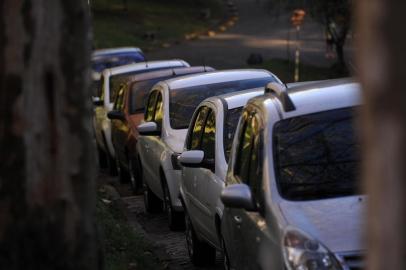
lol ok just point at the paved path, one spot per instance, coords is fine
(258, 30)
(155, 228)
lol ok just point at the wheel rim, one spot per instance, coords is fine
(189, 236)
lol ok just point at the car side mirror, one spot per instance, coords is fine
(149, 129)
(238, 196)
(116, 115)
(97, 101)
(192, 158)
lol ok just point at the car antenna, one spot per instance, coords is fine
(173, 72)
(204, 64)
(146, 62)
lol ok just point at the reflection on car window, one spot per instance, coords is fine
(119, 103)
(230, 125)
(197, 132)
(317, 155)
(183, 101)
(244, 151)
(159, 111)
(149, 114)
(209, 137)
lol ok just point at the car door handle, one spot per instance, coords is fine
(237, 220)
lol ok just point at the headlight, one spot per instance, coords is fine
(302, 252)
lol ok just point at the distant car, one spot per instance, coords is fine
(111, 81)
(170, 107)
(113, 57)
(292, 197)
(127, 114)
(204, 167)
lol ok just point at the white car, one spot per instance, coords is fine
(169, 110)
(111, 80)
(292, 198)
(204, 167)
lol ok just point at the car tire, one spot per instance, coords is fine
(103, 163)
(123, 175)
(200, 253)
(176, 220)
(135, 176)
(151, 202)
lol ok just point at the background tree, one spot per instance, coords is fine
(381, 58)
(47, 173)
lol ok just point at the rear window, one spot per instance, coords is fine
(183, 101)
(317, 155)
(113, 60)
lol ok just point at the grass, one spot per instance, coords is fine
(285, 71)
(124, 247)
(117, 24)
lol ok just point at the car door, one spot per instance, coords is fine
(146, 141)
(120, 128)
(190, 175)
(207, 179)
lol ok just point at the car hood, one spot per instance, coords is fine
(176, 139)
(336, 223)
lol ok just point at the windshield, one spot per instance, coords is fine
(183, 101)
(100, 63)
(230, 125)
(317, 155)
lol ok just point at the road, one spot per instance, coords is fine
(258, 30)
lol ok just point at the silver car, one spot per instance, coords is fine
(204, 167)
(291, 198)
(169, 109)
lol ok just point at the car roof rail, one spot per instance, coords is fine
(281, 93)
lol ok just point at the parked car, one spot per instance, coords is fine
(292, 197)
(204, 167)
(113, 57)
(127, 114)
(112, 79)
(169, 110)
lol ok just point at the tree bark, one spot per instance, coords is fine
(381, 58)
(47, 171)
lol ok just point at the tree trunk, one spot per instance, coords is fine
(381, 58)
(47, 168)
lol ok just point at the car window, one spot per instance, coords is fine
(317, 155)
(244, 150)
(209, 137)
(183, 101)
(149, 114)
(196, 135)
(230, 125)
(158, 115)
(119, 102)
(139, 94)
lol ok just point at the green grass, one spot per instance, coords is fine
(285, 71)
(124, 247)
(113, 25)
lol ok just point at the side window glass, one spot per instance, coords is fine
(209, 137)
(255, 168)
(119, 102)
(196, 135)
(149, 113)
(159, 111)
(244, 151)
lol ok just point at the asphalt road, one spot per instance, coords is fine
(259, 29)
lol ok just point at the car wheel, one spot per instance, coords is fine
(123, 175)
(151, 202)
(103, 163)
(226, 258)
(175, 219)
(135, 176)
(200, 253)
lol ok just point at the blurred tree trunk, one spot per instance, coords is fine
(47, 173)
(382, 58)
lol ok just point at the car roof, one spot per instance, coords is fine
(218, 77)
(238, 99)
(178, 71)
(146, 66)
(107, 51)
(310, 97)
